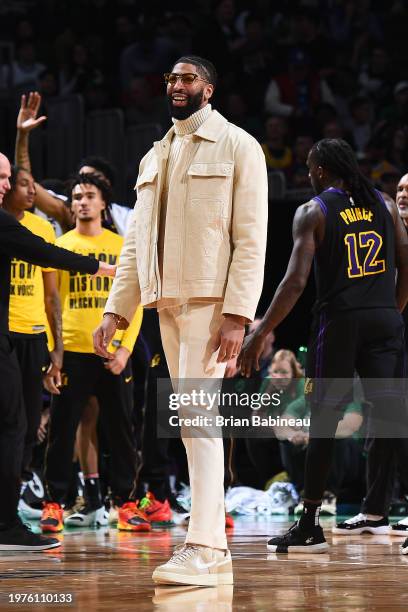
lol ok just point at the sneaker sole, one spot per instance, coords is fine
(11, 547)
(162, 523)
(206, 580)
(312, 549)
(385, 530)
(399, 532)
(76, 524)
(134, 528)
(404, 551)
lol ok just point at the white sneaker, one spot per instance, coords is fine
(28, 512)
(196, 565)
(84, 517)
(361, 524)
(400, 528)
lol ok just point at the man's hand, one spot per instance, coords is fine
(27, 117)
(251, 351)
(119, 361)
(103, 335)
(229, 338)
(105, 269)
(52, 379)
(232, 369)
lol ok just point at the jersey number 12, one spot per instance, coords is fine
(370, 243)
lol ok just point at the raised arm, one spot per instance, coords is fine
(26, 121)
(306, 225)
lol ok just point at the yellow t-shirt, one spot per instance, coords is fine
(27, 309)
(83, 297)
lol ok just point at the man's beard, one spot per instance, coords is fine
(183, 112)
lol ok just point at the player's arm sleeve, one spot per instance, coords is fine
(131, 333)
(49, 237)
(17, 241)
(248, 231)
(124, 296)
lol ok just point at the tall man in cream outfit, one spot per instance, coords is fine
(195, 250)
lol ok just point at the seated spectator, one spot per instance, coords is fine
(253, 60)
(47, 84)
(149, 55)
(360, 122)
(142, 106)
(333, 129)
(76, 75)
(278, 154)
(397, 112)
(374, 77)
(286, 376)
(236, 111)
(397, 150)
(299, 172)
(388, 183)
(23, 72)
(297, 92)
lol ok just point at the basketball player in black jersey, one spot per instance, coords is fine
(357, 242)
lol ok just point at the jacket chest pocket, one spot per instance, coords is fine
(210, 180)
(145, 187)
(146, 191)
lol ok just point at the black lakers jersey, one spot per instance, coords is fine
(355, 263)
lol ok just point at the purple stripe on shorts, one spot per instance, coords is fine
(321, 204)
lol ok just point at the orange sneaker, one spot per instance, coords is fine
(229, 521)
(155, 510)
(52, 517)
(130, 518)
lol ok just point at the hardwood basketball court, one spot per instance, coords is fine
(109, 570)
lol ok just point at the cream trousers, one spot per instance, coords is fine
(188, 333)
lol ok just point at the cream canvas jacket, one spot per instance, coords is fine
(215, 245)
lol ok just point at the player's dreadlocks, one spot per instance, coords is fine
(338, 158)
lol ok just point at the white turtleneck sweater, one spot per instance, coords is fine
(181, 153)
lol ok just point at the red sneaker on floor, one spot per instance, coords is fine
(130, 518)
(229, 521)
(156, 511)
(52, 518)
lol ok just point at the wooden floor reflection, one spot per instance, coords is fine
(108, 570)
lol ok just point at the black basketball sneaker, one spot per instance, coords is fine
(404, 548)
(299, 541)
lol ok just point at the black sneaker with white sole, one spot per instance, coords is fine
(400, 528)
(361, 524)
(298, 541)
(404, 548)
(20, 537)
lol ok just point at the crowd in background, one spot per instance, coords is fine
(289, 73)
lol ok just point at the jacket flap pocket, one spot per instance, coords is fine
(148, 176)
(211, 169)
